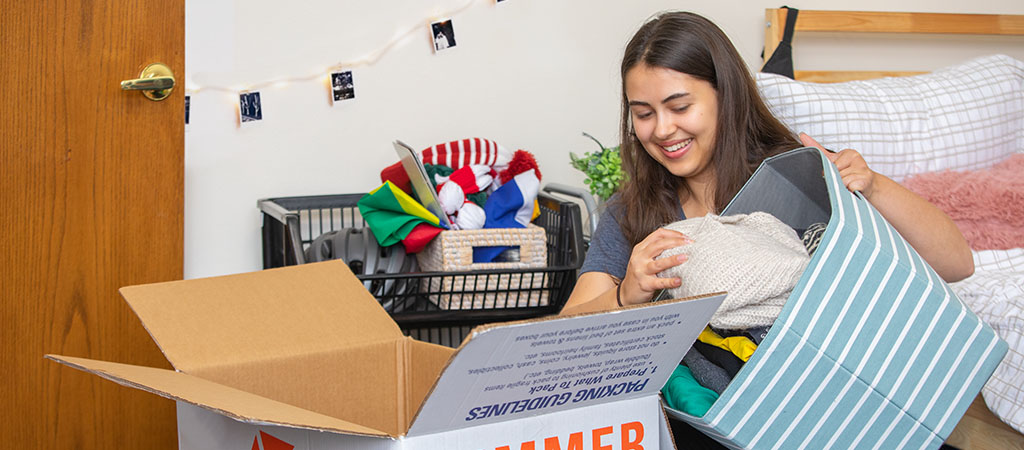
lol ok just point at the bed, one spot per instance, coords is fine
(912, 125)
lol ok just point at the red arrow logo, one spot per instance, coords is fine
(269, 443)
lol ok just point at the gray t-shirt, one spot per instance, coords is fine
(609, 251)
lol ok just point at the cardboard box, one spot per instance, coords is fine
(303, 357)
(872, 349)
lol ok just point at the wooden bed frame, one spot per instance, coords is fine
(881, 22)
(979, 428)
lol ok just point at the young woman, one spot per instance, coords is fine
(693, 130)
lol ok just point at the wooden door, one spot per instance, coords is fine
(91, 200)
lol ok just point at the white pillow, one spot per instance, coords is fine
(968, 116)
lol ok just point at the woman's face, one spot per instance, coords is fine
(674, 116)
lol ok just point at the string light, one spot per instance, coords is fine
(369, 59)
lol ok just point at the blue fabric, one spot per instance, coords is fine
(503, 205)
(609, 251)
(500, 212)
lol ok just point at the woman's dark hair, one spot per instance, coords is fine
(746, 133)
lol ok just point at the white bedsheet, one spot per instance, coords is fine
(996, 294)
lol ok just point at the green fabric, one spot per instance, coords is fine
(479, 198)
(384, 213)
(682, 392)
(437, 169)
(440, 169)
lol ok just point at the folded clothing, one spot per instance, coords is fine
(684, 393)
(715, 360)
(755, 257)
(812, 236)
(721, 358)
(741, 346)
(706, 372)
(756, 334)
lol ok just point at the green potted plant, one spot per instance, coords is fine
(603, 169)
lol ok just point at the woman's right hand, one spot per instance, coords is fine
(641, 280)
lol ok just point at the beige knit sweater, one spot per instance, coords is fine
(756, 258)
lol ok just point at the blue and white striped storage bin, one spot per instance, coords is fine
(872, 350)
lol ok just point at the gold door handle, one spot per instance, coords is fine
(156, 82)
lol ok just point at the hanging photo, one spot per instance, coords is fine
(342, 86)
(249, 107)
(443, 34)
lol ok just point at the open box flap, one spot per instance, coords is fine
(521, 369)
(425, 363)
(268, 314)
(230, 402)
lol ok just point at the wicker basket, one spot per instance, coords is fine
(452, 251)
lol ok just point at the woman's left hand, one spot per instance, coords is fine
(852, 167)
(930, 231)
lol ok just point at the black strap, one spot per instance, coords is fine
(787, 33)
(781, 61)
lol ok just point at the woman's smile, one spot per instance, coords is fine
(677, 149)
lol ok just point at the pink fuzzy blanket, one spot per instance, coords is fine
(987, 205)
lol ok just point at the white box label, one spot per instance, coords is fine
(536, 368)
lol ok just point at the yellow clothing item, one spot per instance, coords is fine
(741, 346)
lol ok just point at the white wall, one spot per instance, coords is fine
(530, 74)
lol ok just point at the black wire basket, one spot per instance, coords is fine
(290, 224)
